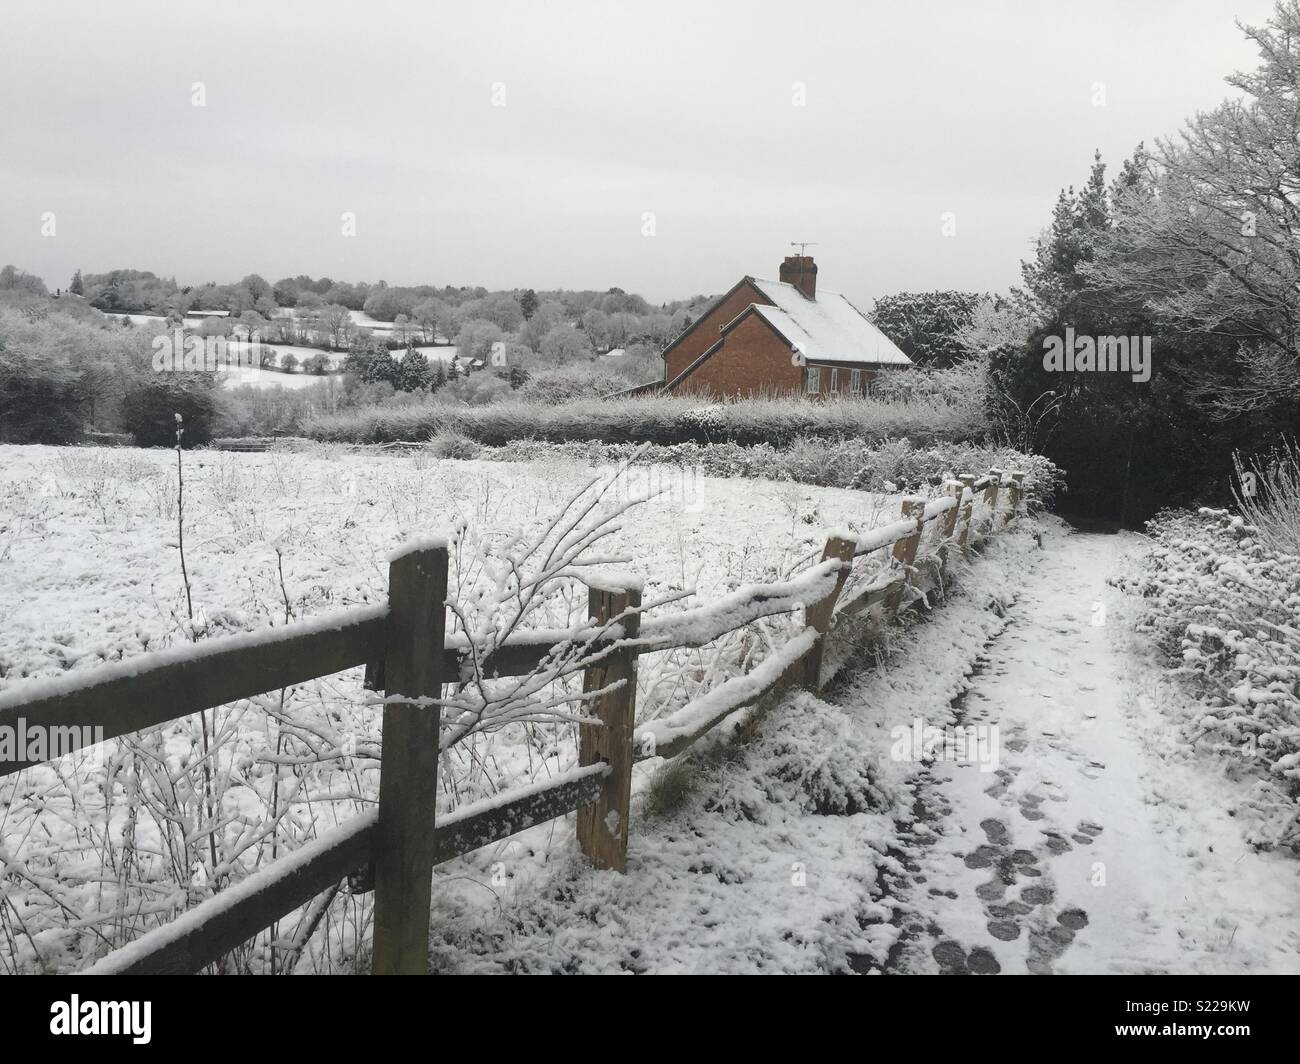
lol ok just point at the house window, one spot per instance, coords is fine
(835, 380)
(855, 382)
(814, 382)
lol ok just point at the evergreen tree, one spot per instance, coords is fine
(415, 373)
(439, 376)
(382, 367)
(925, 325)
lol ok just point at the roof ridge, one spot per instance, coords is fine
(820, 291)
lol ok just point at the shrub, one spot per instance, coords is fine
(448, 443)
(62, 365)
(1221, 608)
(40, 399)
(565, 383)
(149, 410)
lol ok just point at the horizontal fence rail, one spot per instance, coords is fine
(153, 689)
(408, 655)
(205, 933)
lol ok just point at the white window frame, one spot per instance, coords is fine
(855, 382)
(812, 384)
(835, 379)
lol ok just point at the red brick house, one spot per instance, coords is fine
(779, 338)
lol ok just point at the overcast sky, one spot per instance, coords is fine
(686, 111)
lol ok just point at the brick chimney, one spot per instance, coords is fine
(800, 271)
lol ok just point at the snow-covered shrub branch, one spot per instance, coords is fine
(1272, 502)
(1224, 610)
(505, 584)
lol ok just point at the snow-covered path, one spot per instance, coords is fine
(1091, 843)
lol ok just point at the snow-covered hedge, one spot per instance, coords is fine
(658, 420)
(1224, 611)
(808, 460)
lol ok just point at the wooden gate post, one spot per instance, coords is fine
(967, 511)
(602, 825)
(905, 550)
(408, 780)
(820, 614)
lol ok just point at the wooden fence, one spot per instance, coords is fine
(397, 845)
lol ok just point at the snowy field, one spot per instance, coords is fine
(268, 378)
(90, 565)
(236, 377)
(88, 545)
(262, 378)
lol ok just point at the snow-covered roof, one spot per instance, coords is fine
(826, 329)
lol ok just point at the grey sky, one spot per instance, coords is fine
(612, 109)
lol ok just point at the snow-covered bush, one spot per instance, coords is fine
(660, 420)
(818, 762)
(844, 463)
(1224, 610)
(708, 419)
(448, 443)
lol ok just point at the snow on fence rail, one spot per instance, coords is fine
(408, 654)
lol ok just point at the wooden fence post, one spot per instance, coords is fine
(1017, 493)
(602, 825)
(905, 550)
(954, 488)
(951, 488)
(991, 497)
(968, 511)
(408, 781)
(820, 614)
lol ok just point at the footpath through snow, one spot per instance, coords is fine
(1082, 837)
(1088, 849)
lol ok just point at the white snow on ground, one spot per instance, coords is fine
(1091, 844)
(1088, 850)
(237, 377)
(90, 565)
